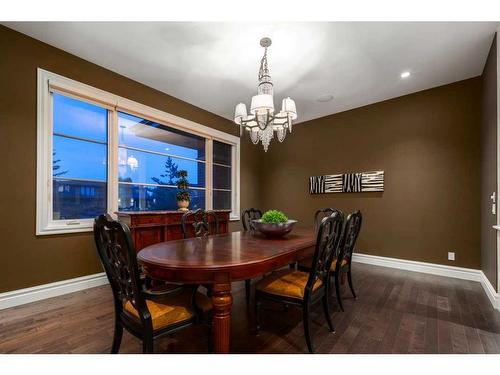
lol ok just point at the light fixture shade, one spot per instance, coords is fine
(288, 107)
(261, 104)
(240, 113)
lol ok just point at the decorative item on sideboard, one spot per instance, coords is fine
(183, 195)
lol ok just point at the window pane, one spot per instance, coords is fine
(73, 158)
(222, 177)
(146, 168)
(151, 198)
(222, 200)
(148, 135)
(222, 153)
(78, 199)
(79, 119)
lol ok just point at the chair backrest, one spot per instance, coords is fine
(327, 241)
(322, 213)
(350, 236)
(200, 222)
(248, 215)
(118, 257)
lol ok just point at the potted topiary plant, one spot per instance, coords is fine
(183, 195)
(274, 223)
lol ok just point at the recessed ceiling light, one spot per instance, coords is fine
(325, 98)
(405, 74)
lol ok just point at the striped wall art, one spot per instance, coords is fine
(347, 183)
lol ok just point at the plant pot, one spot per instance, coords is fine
(183, 205)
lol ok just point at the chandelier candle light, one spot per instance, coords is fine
(262, 122)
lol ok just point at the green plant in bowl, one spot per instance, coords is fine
(274, 217)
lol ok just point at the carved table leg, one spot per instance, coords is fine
(222, 301)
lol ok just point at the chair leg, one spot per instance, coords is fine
(210, 339)
(117, 338)
(247, 290)
(326, 310)
(147, 344)
(349, 280)
(337, 290)
(257, 315)
(307, 332)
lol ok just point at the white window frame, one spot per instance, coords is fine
(50, 82)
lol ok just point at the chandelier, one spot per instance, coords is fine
(262, 122)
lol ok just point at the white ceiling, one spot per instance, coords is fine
(214, 65)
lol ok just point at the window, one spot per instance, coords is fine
(222, 175)
(98, 152)
(149, 157)
(79, 159)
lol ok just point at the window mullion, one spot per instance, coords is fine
(209, 173)
(112, 162)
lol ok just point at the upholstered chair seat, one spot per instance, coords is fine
(306, 264)
(171, 310)
(287, 283)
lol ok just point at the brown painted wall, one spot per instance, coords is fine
(428, 144)
(28, 260)
(489, 164)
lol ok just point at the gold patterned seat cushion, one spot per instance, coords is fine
(288, 283)
(306, 263)
(171, 310)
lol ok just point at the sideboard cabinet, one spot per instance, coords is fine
(150, 227)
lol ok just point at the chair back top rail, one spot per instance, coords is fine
(325, 212)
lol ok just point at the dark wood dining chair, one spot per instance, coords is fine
(145, 313)
(246, 220)
(248, 215)
(324, 212)
(342, 260)
(303, 289)
(203, 222)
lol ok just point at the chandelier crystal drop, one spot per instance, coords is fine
(262, 122)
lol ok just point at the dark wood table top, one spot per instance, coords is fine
(240, 254)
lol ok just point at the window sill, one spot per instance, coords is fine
(64, 230)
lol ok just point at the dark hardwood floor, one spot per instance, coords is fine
(397, 312)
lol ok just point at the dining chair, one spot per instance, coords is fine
(342, 259)
(145, 313)
(324, 212)
(200, 221)
(248, 215)
(246, 220)
(343, 262)
(304, 289)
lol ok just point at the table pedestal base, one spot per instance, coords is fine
(222, 301)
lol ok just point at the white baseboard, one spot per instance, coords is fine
(490, 291)
(39, 292)
(434, 269)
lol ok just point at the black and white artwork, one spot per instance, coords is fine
(347, 183)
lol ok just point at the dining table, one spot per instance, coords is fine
(218, 260)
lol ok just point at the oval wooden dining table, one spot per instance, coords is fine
(219, 260)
